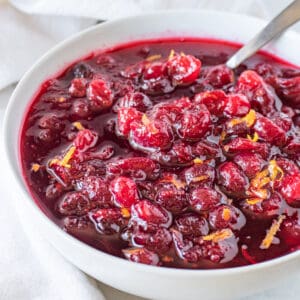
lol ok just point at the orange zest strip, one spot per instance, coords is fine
(167, 258)
(178, 183)
(125, 213)
(146, 121)
(35, 167)
(61, 99)
(197, 161)
(249, 119)
(78, 126)
(153, 57)
(253, 201)
(226, 214)
(199, 178)
(267, 241)
(254, 138)
(219, 235)
(275, 170)
(65, 161)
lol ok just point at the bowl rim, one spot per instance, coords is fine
(19, 180)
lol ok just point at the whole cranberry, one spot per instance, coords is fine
(78, 87)
(147, 215)
(290, 229)
(108, 220)
(218, 76)
(236, 105)
(74, 203)
(290, 189)
(126, 116)
(85, 140)
(207, 149)
(171, 198)
(226, 216)
(232, 179)
(139, 168)
(263, 208)
(100, 95)
(137, 100)
(250, 163)
(158, 241)
(124, 191)
(191, 224)
(141, 255)
(183, 69)
(293, 147)
(200, 174)
(204, 199)
(194, 124)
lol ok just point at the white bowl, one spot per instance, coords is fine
(143, 280)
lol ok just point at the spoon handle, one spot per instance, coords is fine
(285, 19)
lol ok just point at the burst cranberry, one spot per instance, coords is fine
(293, 147)
(288, 166)
(282, 120)
(124, 191)
(158, 241)
(141, 255)
(137, 100)
(290, 189)
(152, 135)
(207, 149)
(108, 220)
(218, 76)
(236, 105)
(194, 124)
(183, 69)
(250, 163)
(269, 131)
(200, 174)
(146, 213)
(78, 87)
(99, 95)
(96, 190)
(290, 229)
(192, 224)
(52, 122)
(263, 208)
(213, 100)
(226, 216)
(74, 203)
(232, 179)
(126, 116)
(203, 199)
(171, 198)
(140, 168)
(256, 90)
(85, 140)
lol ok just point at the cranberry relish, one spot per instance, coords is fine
(158, 153)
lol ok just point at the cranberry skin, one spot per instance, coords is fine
(183, 69)
(74, 203)
(218, 76)
(200, 174)
(78, 87)
(125, 191)
(204, 198)
(236, 105)
(155, 136)
(269, 131)
(293, 147)
(282, 120)
(108, 220)
(290, 230)
(141, 255)
(226, 216)
(52, 122)
(192, 224)
(158, 241)
(180, 154)
(264, 209)
(232, 179)
(80, 108)
(126, 116)
(256, 90)
(243, 145)
(85, 140)
(136, 100)
(222, 251)
(290, 189)
(287, 166)
(99, 95)
(139, 168)
(207, 149)
(250, 163)
(171, 198)
(148, 215)
(194, 125)
(213, 100)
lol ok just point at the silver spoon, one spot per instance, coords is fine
(285, 19)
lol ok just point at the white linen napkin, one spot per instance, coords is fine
(30, 269)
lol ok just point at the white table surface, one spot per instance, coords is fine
(288, 290)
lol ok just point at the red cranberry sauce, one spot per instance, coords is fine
(158, 153)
